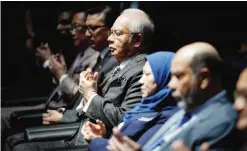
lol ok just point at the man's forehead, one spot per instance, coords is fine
(77, 20)
(242, 82)
(94, 18)
(64, 16)
(242, 85)
(121, 23)
(179, 65)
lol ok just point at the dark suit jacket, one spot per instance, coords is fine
(213, 124)
(139, 129)
(86, 60)
(65, 93)
(118, 94)
(103, 67)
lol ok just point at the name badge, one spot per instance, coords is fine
(145, 119)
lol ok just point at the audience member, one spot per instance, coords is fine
(101, 46)
(241, 106)
(67, 79)
(120, 90)
(196, 84)
(64, 40)
(156, 106)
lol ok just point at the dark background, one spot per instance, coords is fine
(177, 23)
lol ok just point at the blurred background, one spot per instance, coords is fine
(177, 23)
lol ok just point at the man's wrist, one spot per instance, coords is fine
(59, 74)
(90, 96)
(88, 102)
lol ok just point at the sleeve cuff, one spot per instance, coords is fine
(61, 110)
(89, 102)
(46, 64)
(62, 77)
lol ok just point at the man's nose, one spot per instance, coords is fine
(60, 27)
(88, 34)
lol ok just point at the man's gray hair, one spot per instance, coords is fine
(143, 24)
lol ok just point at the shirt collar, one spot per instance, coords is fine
(104, 52)
(125, 62)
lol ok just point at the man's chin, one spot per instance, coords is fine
(76, 43)
(93, 46)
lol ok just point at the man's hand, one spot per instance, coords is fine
(180, 146)
(91, 131)
(87, 85)
(43, 52)
(52, 117)
(57, 65)
(122, 143)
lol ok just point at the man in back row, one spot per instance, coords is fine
(99, 21)
(86, 58)
(69, 80)
(120, 90)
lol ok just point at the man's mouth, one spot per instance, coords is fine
(112, 49)
(91, 42)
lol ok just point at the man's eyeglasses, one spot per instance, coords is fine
(93, 28)
(78, 28)
(118, 33)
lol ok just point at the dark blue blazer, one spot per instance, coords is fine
(140, 129)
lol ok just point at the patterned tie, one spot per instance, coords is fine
(116, 70)
(186, 118)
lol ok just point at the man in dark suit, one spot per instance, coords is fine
(240, 105)
(98, 41)
(120, 89)
(68, 79)
(196, 83)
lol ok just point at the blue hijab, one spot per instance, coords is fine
(160, 63)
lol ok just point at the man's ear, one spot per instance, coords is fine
(137, 39)
(205, 78)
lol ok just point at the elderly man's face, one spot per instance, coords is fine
(241, 101)
(96, 32)
(120, 38)
(183, 82)
(78, 30)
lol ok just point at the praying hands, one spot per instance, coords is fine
(88, 84)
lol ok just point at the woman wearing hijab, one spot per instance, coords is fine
(155, 108)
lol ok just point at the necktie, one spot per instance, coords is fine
(186, 118)
(98, 64)
(115, 71)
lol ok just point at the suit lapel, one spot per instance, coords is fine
(200, 117)
(107, 64)
(168, 124)
(120, 75)
(75, 63)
